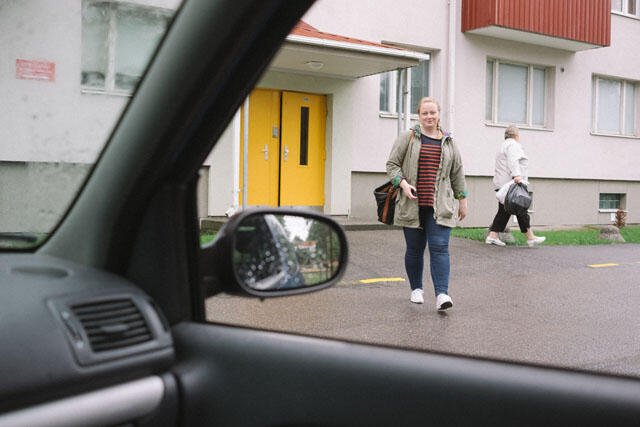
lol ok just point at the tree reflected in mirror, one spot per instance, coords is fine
(274, 252)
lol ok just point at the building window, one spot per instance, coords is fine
(614, 106)
(118, 40)
(418, 88)
(610, 201)
(515, 93)
(627, 7)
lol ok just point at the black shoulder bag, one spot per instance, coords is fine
(385, 196)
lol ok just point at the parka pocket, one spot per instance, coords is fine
(446, 207)
(406, 209)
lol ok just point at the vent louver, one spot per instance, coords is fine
(112, 324)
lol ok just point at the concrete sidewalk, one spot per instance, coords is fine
(213, 224)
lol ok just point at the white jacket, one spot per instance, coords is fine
(510, 161)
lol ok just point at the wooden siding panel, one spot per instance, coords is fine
(586, 21)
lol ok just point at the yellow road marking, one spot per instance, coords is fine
(383, 279)
(603, 265)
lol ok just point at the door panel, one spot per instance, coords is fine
(264, 142)
(233, 376)
(302, 149)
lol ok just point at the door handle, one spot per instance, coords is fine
(286, 152)
(266, 152)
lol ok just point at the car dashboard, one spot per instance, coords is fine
(78, 342)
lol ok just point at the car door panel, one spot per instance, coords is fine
(234, 376)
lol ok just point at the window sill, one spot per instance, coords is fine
(614, 135)
(386, 115)
(91, 91)
(626, 15)
(527, 127)
(610, 210)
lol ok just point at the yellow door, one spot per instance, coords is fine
(264, 144)
(302, 151)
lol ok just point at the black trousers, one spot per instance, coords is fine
(502, 217)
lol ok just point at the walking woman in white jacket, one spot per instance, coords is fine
(511, 164)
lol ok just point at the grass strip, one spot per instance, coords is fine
(583, 236)
(206, 238)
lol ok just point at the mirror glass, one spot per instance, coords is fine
(274, 252)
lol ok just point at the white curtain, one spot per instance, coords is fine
(512, 97)
(609, 105)
(629, 108)
(488, 95)
(95, 27)
(538, 96)
(138, 34)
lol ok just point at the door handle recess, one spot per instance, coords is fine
(286, 152)
(266, 152)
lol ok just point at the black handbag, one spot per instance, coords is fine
(517, 200)
(386, 200)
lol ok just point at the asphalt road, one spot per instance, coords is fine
(545, 305)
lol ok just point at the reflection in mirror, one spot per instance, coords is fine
(274, 252)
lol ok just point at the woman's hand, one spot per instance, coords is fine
(517, 179)
(408, 189)
(462, 209)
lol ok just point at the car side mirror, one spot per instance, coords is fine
(274, 252)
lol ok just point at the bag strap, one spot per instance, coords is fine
(413, 133)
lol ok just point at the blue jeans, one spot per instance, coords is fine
(437, 236)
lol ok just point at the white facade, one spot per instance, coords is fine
(52, 128)
(42, 133)
(570, 165)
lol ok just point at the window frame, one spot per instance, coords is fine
(112, 8)
(624, 9)
(621, 202)
(623, 105)
(391, 97)
(493, 121)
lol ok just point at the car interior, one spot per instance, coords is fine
(104, 324)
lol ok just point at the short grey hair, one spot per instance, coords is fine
(511, 131)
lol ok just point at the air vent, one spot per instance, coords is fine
(112, 324)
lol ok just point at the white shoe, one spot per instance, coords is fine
(443, 301)
(492, 241)
(536, 241)
(417, 296)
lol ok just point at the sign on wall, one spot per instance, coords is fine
(35, 70)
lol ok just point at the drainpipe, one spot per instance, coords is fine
(405, 91)
(451, 81)
(399, 99)
(245, 152)
(236, 164)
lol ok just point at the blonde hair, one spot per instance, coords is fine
(511, 131)
(425, 100)
(428, 99)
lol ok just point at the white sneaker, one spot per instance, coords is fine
(492, 241)
(536, 241)
(443, 301)
(417, 296)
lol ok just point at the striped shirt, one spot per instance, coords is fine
(428, 165)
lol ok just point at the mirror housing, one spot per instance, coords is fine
(274, 252)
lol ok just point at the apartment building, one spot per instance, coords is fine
(565, 71)
(324, 116)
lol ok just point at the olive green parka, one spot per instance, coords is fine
(450, 181)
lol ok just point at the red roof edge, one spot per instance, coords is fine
(306, 30)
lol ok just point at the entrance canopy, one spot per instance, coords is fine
(309, 51)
